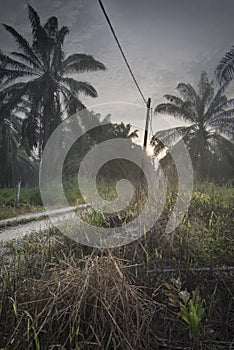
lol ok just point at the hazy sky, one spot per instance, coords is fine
(166, 42)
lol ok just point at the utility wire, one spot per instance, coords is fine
(121, 50)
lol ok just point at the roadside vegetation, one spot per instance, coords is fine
(30, 201)
(161, 291)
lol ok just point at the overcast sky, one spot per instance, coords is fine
(166, 42)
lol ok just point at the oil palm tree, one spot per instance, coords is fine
(211, 124)
(40, 72)
(225, 69)
(94, 129)
(124, 131)
(14, 160)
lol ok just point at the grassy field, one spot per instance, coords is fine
(163, 291)
(30, 201)
(30, 198)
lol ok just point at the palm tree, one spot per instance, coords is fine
(210, 115)
(225, 69)
(95, 130)
(14, 160)
(124, 131)
(47, 70)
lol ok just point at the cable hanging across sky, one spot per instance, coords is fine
(122, 52)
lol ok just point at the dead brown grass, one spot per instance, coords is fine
(84, 304)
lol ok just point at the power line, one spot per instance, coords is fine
(121, 50)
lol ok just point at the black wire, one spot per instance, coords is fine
(121, 50)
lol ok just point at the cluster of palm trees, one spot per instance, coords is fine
(96, 130)
(37, 91)
(209, 133)
(36, 81)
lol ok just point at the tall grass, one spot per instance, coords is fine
(159, 292)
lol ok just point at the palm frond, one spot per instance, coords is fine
(169, 108)
(7, 61)
(205, 90)
(80, 63)
(27, 59)
(227, 103)
(215, 105)
(225, 69)
(23, 44)
(175, 100)
(62, 34)
(203, 83)
(7, 75)
(41, 41)
(183, 112)
(34, 20)
(11, 90)
(80, 86)
(170, 136)
(71, 102)
(14, 95)
(224, 122)
(187, 92)
(223, 115)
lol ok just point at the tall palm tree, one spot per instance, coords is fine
(14, 160)
(225, 69)
(210, 115)
(48, 86)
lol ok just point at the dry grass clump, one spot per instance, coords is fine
(84, 304)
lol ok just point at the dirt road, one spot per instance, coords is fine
(16, 228)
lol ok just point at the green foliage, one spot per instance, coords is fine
(225, 69)
(47, 83)
(30, 196)
(190, 304)
(210, 115)
(192, 310)
(207, 230)
(56, 292)
(30, 199)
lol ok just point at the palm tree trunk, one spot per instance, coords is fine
(3, 156)
(51, 115)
